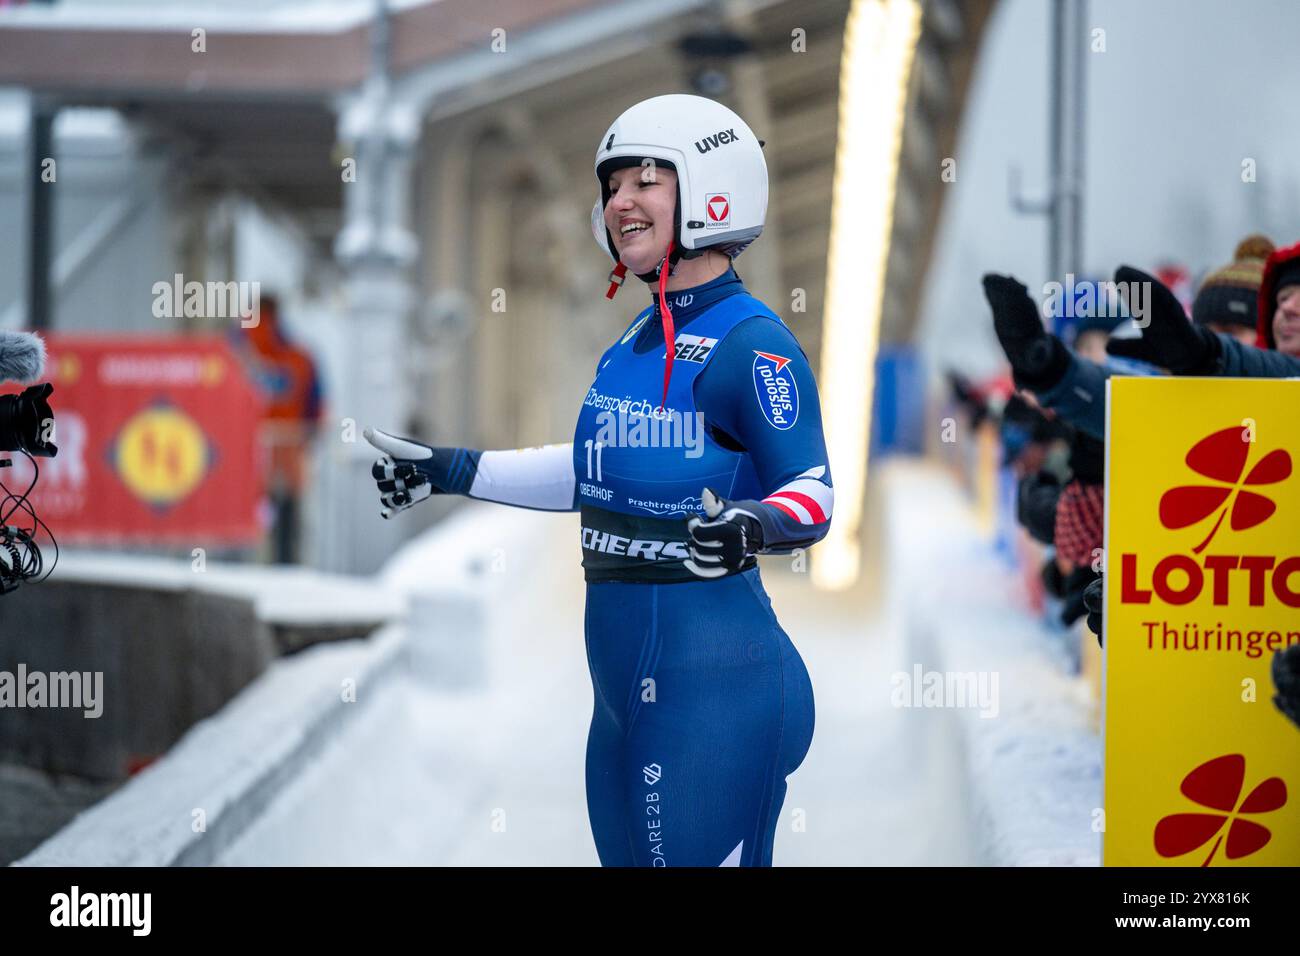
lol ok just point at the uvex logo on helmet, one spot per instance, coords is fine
(721, 138)
(1221, 458)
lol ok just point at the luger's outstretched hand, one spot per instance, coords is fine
(398, 473)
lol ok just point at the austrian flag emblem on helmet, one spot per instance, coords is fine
(718, 208)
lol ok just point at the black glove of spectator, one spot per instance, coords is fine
(1075, 585)
(1036, 505)
(1169, 339)
(1053, 580)
(1087, 458)
(1038, 360)
(1286, 675)
(1092, 601)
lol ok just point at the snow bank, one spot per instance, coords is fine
(281, 595)
(195, 801)
(440, 593)
(1033, 762)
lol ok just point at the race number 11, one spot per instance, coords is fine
(598, 446)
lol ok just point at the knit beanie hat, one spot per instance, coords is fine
(1228, 296)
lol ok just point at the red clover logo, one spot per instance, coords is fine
(1217, 784)
(1221, 457)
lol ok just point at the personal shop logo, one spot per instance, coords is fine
(1216, 785)
(1221, 459)
(778, 395)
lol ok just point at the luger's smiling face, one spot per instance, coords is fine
(639, 214)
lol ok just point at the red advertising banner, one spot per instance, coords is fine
(157, 440)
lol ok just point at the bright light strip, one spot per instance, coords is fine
(880, 38)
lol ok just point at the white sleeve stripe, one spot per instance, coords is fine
(819, 492)
(539, 477)
(802, 513)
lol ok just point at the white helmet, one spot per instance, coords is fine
(721, 173)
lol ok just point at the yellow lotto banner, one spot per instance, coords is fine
(1202, 587)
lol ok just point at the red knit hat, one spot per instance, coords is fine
(1281, 261)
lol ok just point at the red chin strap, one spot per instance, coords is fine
(616, 278)
(670, 334)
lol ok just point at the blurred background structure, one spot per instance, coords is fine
(411, 182)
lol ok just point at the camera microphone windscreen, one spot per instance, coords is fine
(22, 356)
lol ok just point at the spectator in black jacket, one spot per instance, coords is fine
(1075, 388)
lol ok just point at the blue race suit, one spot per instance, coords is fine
(702, 705)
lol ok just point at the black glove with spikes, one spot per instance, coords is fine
(724, 540)
(402, 474)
